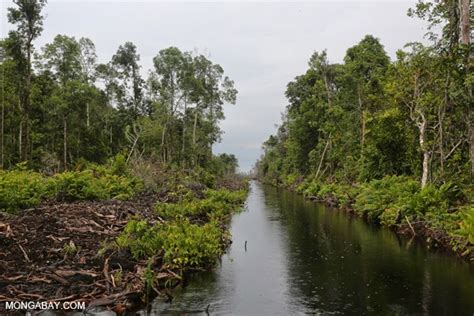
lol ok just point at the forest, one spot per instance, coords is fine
(111, 194)
(61, 107)
(109, 190)
(392, 140)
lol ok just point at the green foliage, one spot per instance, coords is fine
(71, 248)
(185, 245)
(303, 186)
(118, 165)
(226, 196)
(22, 189)
(466, 226)
(191, 245)
(86, 185)
(391, 199)
(343, 194)
(216, 204)
(141, 238)
(62, 107)
(205, 177)
(291, 180)
(383, 199)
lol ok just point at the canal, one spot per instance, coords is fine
(291, 256)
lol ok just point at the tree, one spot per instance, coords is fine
(29, 21)
(365, 65)
(167, 85)
(454, 19)
(211, 89)
(125, 64)
(87, 59)
(186, 88)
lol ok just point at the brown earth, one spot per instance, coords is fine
(53, 252)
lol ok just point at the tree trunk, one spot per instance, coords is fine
(441, 114)
(465, 22)
(194, 136)
(64, 142)
(362, 118)
(26, 104)
(328, 92)
(426, 155)
(163, 151)
(183, 144)
(465, 38)
(25, 138)
(87, 114)
(20, 138)
(322, 156)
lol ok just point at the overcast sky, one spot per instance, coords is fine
(261, 45)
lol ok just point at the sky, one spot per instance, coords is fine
(261, 45)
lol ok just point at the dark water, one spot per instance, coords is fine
(303, 258)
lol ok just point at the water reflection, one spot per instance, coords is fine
(304, 258)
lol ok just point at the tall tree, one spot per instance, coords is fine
(126, 67)
(29, 21)
(365, 64)
(88, 60)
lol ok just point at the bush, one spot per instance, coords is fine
(342, 193)
(291, 180)
(226, 196)
(384, 199)
(466, 227)
(22, 189)
(303, 186)
(312, 189)
(390, 199)
(217, 203)
(118, 165)
(184, 245)
(141, 239)
(87, 185)
(205, 177)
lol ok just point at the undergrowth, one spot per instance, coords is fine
(21, 188)
(396, 200)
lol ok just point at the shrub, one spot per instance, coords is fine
(466, 227)
(206, 178)
(390, 199)
(290, 180)
(118, 165)
(217, 203)
(312, 189)
(141, 239)
(22, 189)
(226, 196)
(184, 245)
(301, 188)
(85, 185)
(389, 195)
(343, 193)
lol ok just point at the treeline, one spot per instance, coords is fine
(371, 116)
(59, 106)
(390, 141)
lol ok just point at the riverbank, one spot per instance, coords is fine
(305, 258)
(115, 253)
(441, 217)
